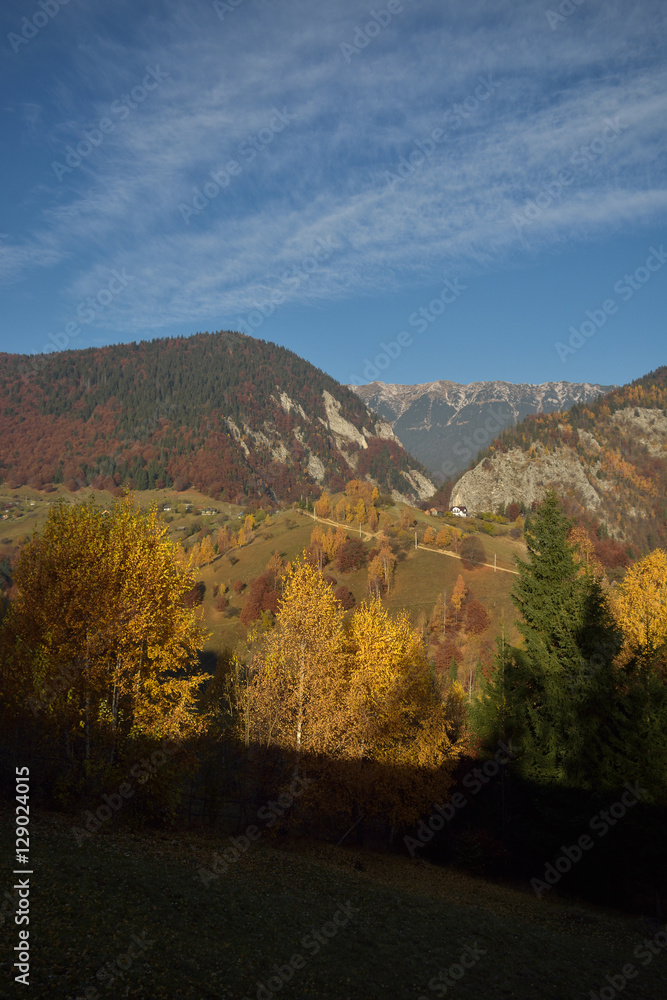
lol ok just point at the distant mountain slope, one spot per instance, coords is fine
(445, 424)
(607, 458)
(233, 416)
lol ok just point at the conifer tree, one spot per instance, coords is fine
(560, 695)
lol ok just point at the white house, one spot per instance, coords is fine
(459, 510)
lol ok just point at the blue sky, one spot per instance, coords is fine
(273, 167)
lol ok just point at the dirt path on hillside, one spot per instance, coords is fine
(367, 535)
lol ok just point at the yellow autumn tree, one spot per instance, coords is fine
(375, 576)
(101, 604)
(205, 551)
(397, 716)
(429, 536)
(318, 545)
(444, 538)
(356, 710)
(373, 519)
(334, 542)
(294, 697)
(459, 593)
(585, 555)
(323, 505)
(341, 509)
(641, 603)
(224, 540)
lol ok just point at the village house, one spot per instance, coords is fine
(459, 510)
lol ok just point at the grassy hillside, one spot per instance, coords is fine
(407, 923)
(421, 574)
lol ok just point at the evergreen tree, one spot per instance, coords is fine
(561, 696)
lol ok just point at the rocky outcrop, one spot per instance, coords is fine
(515, 476)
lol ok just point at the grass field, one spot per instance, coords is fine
(127, 915)
(420, 577)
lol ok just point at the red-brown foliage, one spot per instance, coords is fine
(345, 596)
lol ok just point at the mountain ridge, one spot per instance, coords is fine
(606, 458)
(229, 414)
(445, 423)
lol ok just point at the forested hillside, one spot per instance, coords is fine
(233, 416)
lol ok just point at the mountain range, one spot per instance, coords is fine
(445, 424)
(606, 458)
(235, 417)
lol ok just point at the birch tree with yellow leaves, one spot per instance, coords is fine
(294, 694)
(101, 604)
(641, 604)
(356, 708)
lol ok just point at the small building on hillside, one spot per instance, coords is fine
(432, 512)
(459, 510)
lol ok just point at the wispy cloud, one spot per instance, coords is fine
(325, 175)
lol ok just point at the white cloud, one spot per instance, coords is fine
(324, 175)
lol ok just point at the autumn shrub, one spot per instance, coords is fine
(476, 617)
(345, 596)
(262, 596)
(195, 596)
(351, 556)
(472, 552)
(513, 511)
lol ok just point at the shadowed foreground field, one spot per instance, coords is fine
(127, 915)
